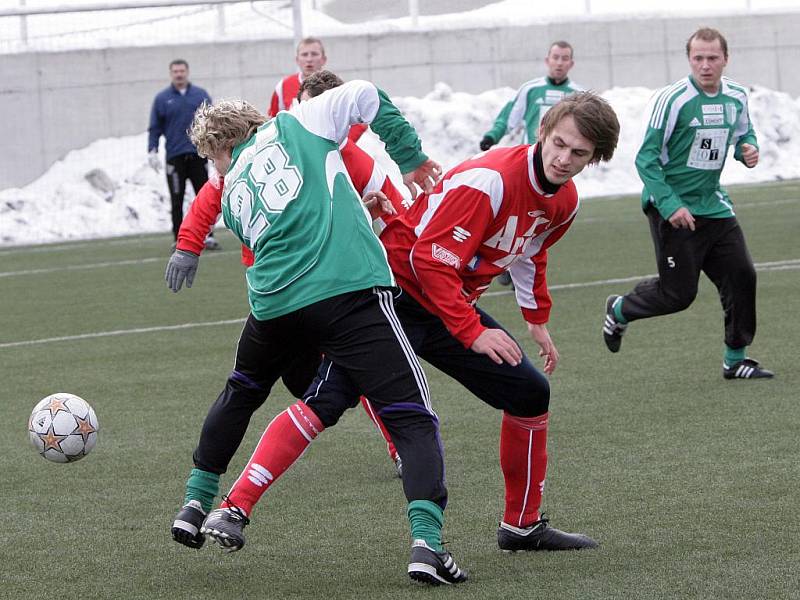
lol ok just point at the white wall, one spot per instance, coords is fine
(55, 102)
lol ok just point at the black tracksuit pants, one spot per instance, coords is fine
(361, 333)
(179, 169)
(717, 248)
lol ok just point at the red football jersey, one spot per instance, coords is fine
(486, 215)
(285, 93)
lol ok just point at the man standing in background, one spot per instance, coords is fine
(692, 124)
(171, 115)
(310, 58)
(533, 99)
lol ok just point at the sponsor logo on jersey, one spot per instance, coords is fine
(460, 234)
(694, 123)
(444, 255)
(713, 120)
(553, 96)
(712, 109)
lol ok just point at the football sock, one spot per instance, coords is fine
(734, 355)
(285, 439)
(617, 307)
(426, 519)
(523, 460)
(202, 486)
(381, 427)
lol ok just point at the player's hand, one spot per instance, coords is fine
(378, 204)
(682, 219)
(749, 155)
(152, 160)
(182, 266)
(486, 143)
(499, 346)
(547, 348)
(425, 176)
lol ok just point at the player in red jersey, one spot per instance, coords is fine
(500, 210)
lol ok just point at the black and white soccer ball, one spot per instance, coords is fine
(63, 428)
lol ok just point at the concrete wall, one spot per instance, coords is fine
(55, 102)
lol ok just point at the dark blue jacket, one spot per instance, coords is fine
(171, 116)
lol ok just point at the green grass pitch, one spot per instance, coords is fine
(689, 482)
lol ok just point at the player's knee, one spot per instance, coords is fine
(532, 398)
(681, 299)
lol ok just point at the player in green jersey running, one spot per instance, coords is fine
(534, 98)
(320, 278)
(692, 125)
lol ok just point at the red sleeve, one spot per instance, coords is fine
(273, 105)
(541, 295)
(436, 259)
(248, 258)
(356, 131)
(200, 218)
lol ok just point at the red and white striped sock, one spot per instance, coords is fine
(523, 460)
(282, 443)
(381, 427)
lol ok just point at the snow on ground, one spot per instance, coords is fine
(63, 204)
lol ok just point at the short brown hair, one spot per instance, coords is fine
(319, 82)
(310, 40)
(707, 34)
(224, 125)
(562, 44)
(594, 118)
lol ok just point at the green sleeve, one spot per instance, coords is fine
(402, 142)
(652, 174)
(500, 126)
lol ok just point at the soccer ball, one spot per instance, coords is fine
(63, 428)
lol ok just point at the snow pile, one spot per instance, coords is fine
(63, 203)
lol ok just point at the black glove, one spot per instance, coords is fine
(182, 265)
(486, 143)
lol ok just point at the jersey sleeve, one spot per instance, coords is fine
(529, 275)
(649, 167)
(500, 126)
(743, 133)
(156, 127)
(436, 257)
(201, 216)
(274, 109)
(331, 114)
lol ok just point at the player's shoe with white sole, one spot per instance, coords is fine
(613, 330)
(187, 523)
(746, 369)
(225, 526)
(435, 568)
(540, 536)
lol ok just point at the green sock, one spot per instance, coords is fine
(734, 355)
(426, 519)
(203, 487)
(618, 311)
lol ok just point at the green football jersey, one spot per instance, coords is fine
(531, 103)
(289, 198)
(686, 143)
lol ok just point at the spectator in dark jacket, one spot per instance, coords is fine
(171, 115)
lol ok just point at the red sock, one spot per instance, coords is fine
(282, 443)
(523, 459)
(379, 424)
